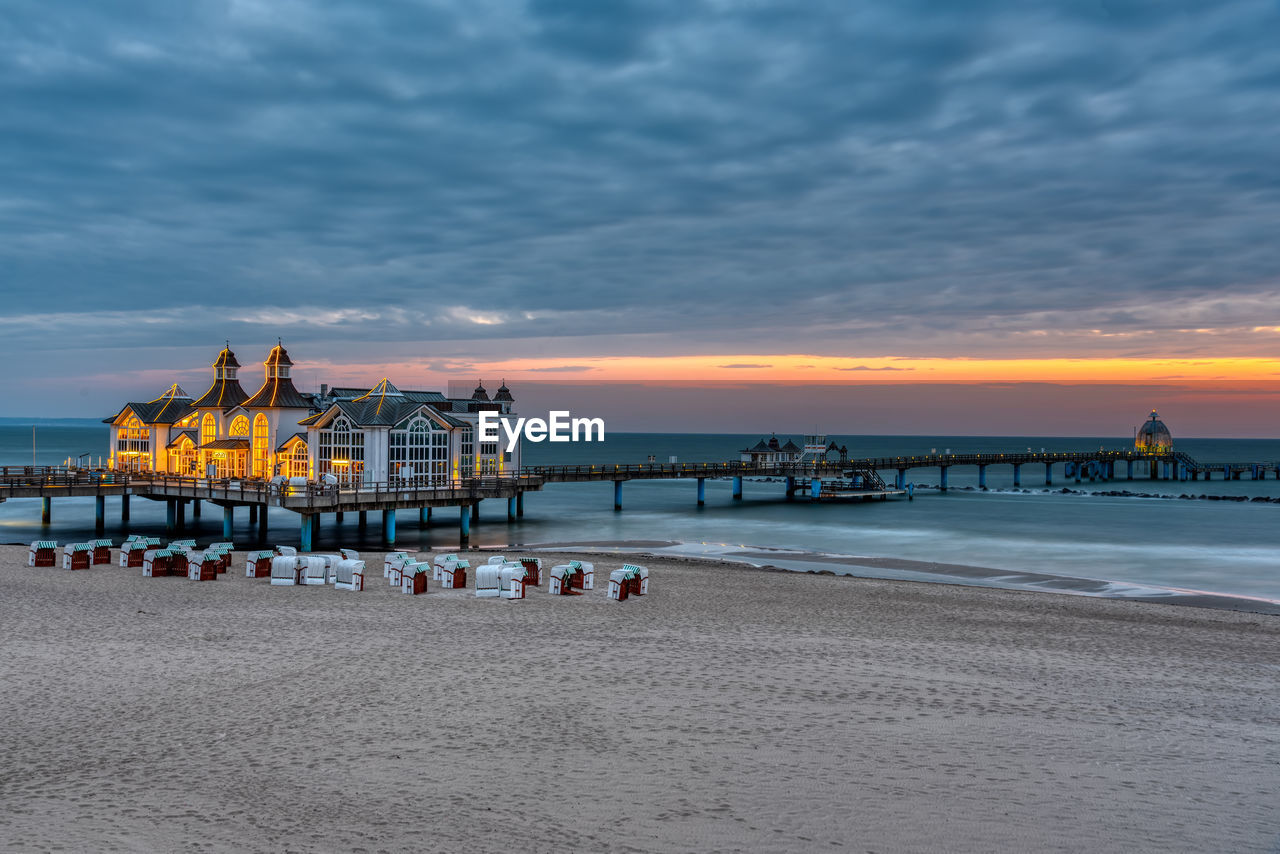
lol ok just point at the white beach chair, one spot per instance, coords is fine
(512, 578)
(619, 586)
(638, 576)
(315, 571)
(587, 571)
(439, 563)
(393, 560)
(349, 554)
(284, 571)
(101, 551)
(330, 565)
(488, 580)
(349, 575)
(533, 565)
(77, 556)
(286, 551)
(223, 547)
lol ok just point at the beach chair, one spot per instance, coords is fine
(513, 577)
(533, 566)
(439, 563)
(284, 571)
(43, 553)
(562, 580)
(77, 555)
(286, 551)
(393, 560)
(584, 578)
(155, 562)
(258, 564)
(619, 586)
(185, 545)
(179, 561)
(131, 552)
(330, 566)
(101, 552)
(204, 566)
(315, 571)
(349, 575)
(222, 547)
(453, 575)
(349, 554)
(637, 578)
(488, 580)
(413, 577)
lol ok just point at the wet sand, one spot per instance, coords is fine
(732, 709)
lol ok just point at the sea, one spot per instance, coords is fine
(1159, 539)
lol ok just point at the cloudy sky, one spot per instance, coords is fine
(898, 194)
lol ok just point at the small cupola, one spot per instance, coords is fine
(480, 393)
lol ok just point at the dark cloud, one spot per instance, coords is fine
(737, 365)
(574, 178)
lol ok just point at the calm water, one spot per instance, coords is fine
(1201, 545)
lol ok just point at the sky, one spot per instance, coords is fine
(972, 214)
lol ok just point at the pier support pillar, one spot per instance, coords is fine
(617, 495)
(337, 517)
(99, 512)
(1079, 470)
(944, 470)
(363, 518)
(475, 511)
(464, 523)
(424, 516)
(1130, 462)
(182, 515)
(304, 532)
(124, 507)
(737, 488)
(1017, 474)
(520, 504)
(228, 519)
(1048, 474)
(389, 527)
(815, 488)
(253, 513)
(791, 488)
(511, 509)
(195, 509)
(46, 510)
(262, 524)
(315, 525)
(170, 516)
(702, 490)
(982, 477)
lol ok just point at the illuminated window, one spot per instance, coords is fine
(420, 452)
(133, 445)
(208, 429)
(239, 427)
(260, 445)
(298, 460)
(341, 452)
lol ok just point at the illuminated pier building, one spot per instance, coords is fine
(357, 435)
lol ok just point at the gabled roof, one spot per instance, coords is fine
(223, 394)
(185, 434)
(791, 447)
(226, 445)
(296, 437)
(169, 408)
(379, 411)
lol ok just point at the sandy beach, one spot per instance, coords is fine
(731, 709)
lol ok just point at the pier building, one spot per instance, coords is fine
(352, 435)
(1153, 437)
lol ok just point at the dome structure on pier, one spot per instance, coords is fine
(1153, 437)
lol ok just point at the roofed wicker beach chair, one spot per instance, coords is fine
(77, 556)
(619, 589)
(189, 545)
(349, 575)
(288, 551)
(349, 554)
(585, 577)
(627, 580)
(258, 564)
(101, 551)
(513, 577)
(533, 566)
(561, 583)
(393, 560)
(204, 566)
(43, 553)
(156, 562)
(223, 547)
(488, 580)
(179, 561)
(314, 571)
(413, 577)
(638, 578)
(438, 563)
(330, 566)
(284, 571)
(453, 574)
(132, 551)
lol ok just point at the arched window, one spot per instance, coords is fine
(208, 429)
(239, 427)
(420, 452)
(260, 445)
(299, 461)
(341, 452)
(133, 445)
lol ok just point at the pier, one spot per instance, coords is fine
(847, 480)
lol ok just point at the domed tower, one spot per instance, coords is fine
(1153, 437)
(480, 393)
(503, 396)
(277, 389)
(225, 391)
